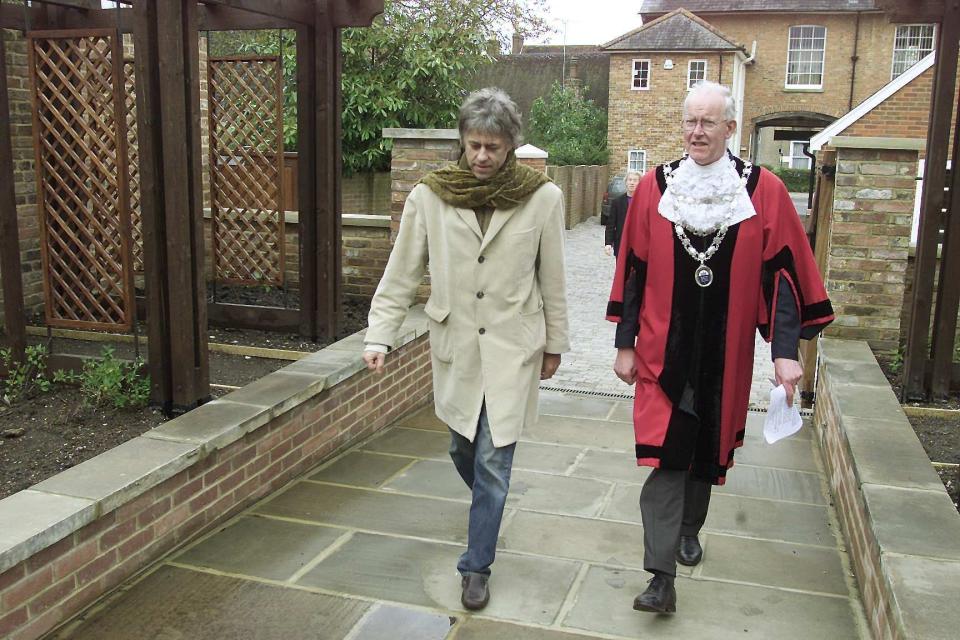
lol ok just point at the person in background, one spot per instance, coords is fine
(618, 214)
(491, 230)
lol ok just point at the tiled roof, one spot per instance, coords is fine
(729, 6)
(679, 30)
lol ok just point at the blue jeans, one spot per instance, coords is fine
(486, 470)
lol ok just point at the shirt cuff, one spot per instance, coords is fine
(379, 348)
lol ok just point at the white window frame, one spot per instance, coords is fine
(797, 154)
(823, 57)
(691, 81)
(920, 56)
(637, 160)
(634, 76)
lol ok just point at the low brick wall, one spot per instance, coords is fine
(69, 540)
(901, 528)
(583, 187)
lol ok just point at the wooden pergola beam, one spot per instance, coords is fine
(913, 11)
(299, 11)
(14, 322)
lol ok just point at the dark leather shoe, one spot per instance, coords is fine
(689, 551)
(660, 596)
(476, 594)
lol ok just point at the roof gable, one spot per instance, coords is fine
(782, 6)
(842, 124)
(679, 30)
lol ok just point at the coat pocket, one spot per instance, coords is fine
(440, 338)
(534, 332)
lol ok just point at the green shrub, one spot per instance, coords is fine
(109, 381)
(797, 180)
(26, 377)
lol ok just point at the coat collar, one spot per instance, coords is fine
(497, 221)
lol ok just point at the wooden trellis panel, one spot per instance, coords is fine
(133, 163)
(246, 165)
(80, 142)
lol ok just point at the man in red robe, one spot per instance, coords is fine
(712, 250)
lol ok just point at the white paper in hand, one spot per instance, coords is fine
(782, 421)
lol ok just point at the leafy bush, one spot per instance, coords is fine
(24, 378)
(797, 180)
(571, 128)
(110, 381)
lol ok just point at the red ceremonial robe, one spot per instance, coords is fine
(695, 345)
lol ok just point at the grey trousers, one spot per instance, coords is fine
(671, 504)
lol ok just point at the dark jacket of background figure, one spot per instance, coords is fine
(618, 215)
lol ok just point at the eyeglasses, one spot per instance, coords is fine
(708, 126)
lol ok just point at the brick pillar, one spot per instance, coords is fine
(533, 157)
(870, 237)
(416, 152)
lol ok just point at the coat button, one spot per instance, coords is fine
(481, 259)
(482, 331)
(479, 294)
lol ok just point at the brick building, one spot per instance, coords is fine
(804, 64)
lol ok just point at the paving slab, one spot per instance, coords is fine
(798, 454)
(775, 564)
(480, 629)
(174, 603)
(615, 466)
(424, 419)
(707, 610)
(588, 539)
(738, 515)
(384, 622)
(528, 489)
(424, 573)
(548, 458)
(775, 484)
(371, 510)
(575, 405)
(623, 411)
(361, 469)
(415, 443)
(597, 434)
(261, 547)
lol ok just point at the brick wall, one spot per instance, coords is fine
(583, 188)
(905, 114)
(650, 119)
(56, 583)
(366, 193)
(870, 240)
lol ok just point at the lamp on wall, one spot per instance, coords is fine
(668, 64)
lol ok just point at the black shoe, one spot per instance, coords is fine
(660, 596)
(689, 551)
(476, 594)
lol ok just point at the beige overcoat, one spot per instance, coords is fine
(497, 303)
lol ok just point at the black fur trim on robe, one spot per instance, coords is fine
(784, 261)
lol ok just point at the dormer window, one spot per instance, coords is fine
(641, 75)
(805, 53)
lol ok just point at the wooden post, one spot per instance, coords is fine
(318, 95)
(168, 116)
(9, 231)
(931, 203)
(820, 225)
(948, 289)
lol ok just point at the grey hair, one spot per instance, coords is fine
(632, 172)
(491, 111)
(706, 87)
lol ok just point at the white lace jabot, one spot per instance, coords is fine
(701, 197)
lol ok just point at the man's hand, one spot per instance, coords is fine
(551, 362)
(374, 360)
(788, 373)
(608, 249)
(625, 366)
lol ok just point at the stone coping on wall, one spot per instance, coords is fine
(908, 560)
(865, 142)
(422, 134)
(49, 511)
(347, 219)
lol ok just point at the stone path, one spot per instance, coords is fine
(589, 366)
(365, 548)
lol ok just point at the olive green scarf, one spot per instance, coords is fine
(510, 187)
